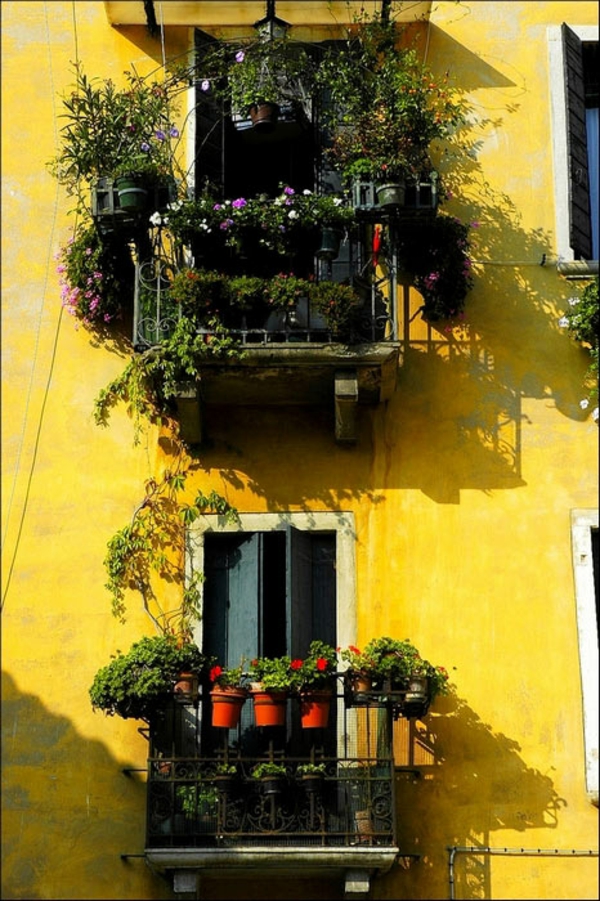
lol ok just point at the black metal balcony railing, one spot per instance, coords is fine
(351, 804)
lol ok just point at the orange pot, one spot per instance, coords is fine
(314, 709)
(186, 688)
(269, 707)
(227, 706)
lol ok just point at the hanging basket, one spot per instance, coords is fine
(269, 707)
(264, 116)
(314, 709)
(329, 247)
(227, 706)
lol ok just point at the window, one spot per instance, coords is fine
(272, 583)
(584, 526)
(573, 59)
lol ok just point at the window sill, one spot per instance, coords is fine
(574, 269)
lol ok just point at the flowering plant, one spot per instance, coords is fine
(582, 320)
(340, 305)
(96, 276)
(436, 253)
(317, 669)
(110, 131)
(276, 221)
(227, 677)
(358, 660)
(387, 107)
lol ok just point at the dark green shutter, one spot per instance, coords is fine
(579, 190)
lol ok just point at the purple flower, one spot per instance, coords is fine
(238, 204)
(288, 191)
(160, 135)
(217, 207)
(145, 147)
(205, 85)
(240, 56)
(174, 132)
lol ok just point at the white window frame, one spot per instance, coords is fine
(340, 523)
(559, 133)
(582, 523)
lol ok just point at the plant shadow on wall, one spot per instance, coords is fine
(60, 789)
(473, 781)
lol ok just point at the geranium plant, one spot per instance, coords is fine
(316, 670)
(272, 673)
(227, 677)
(395, 660)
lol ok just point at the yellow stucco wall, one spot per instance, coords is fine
(462, 487)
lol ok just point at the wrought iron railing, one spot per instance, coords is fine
(192, 803)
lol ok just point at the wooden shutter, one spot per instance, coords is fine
(579, 190)
(310, 589)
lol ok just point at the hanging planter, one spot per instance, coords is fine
(227, 706)
(417, 696)
(264, 116)
(329, 247)
(392, 195)
(186, 688)
(314, 709)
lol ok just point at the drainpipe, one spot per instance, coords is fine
(508, 852)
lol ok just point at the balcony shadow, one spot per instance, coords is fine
(68, 811)
(477, 782)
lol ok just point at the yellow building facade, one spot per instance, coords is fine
(464, 508)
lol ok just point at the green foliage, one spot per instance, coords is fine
(273, 673)
(227, 677)
(340, 305)
(256, 71)
(268, 769)
(108, 130)
(198, 800)
(311, 769)
(386, 106)
(396, 660)
(582, 319)
(134, 683)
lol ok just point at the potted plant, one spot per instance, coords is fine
(228, 695)
(110, 133)
(311, 775)
(271, 775)
(271, 72)
(399, 667)
(315, 683)
(340, 305)
(386, 107)
(271, 681)
(225, 777)
(361, 672)
(199, 803)
(134, 684)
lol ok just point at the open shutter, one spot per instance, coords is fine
(230, 618)
(579, 191)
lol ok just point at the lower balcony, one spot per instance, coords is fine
(336, 822)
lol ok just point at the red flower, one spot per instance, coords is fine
(215, 672)
(321, 664)
(296, 664)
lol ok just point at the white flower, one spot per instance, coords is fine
(156, 219)
(205, 85)
(293, 214)
(563, 322)
(307, 192)
(175, 206)
(595, 415)
(337, 201)
(584, 404)
(573, 301)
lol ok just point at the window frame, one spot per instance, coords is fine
(341, 523)
(560, 136)
(582, 523)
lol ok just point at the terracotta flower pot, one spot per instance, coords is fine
(264, 116)
(269, 707)
(227, 706)
(314, 709)
(186, 688)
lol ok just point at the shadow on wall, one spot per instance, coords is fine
(477, 783)
(68, 811)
